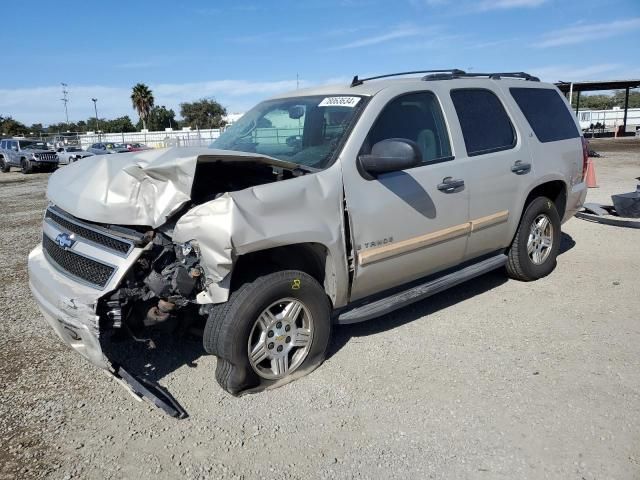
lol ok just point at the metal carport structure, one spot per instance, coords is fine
(578, 87)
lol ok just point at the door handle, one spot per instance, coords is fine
(520, 168)
(451, 185)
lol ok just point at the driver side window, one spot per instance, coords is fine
(416, 117)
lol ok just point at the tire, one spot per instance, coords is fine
(26, 165)
(530, 256)
(233, 327)
(4, 166)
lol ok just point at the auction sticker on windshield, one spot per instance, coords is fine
(339, 102)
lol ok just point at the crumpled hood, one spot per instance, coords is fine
(138, 188)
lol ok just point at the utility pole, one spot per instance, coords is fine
(297, 81)
(65, 100)
(95, 108)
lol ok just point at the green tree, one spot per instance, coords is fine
(11, 127)
(117, 125)
(160, 118)
(593, 102)
(61, 127)
(606, 102)
(142, 101)
(36, 128)
(205, 113)
(634, 99)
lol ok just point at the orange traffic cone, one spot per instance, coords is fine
(590, 177)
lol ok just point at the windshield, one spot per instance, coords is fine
(302, 130)
(73, 149)
(33, 145)
(114, 145)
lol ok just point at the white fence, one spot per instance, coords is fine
(181, 138)
(609, 118)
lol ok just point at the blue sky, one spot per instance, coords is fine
(242, 51)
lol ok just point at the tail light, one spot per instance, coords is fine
(585, 157)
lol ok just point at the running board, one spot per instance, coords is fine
(401, 299)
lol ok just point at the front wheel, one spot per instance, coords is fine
(26, 166)
(4, 166)
(535, 247)
(270, 332)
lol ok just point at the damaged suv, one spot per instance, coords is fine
(335, 204)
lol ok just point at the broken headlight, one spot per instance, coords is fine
(187, 249)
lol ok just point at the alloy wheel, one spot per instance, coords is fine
(280, 339)
(540, 239)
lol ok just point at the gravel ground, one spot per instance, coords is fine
(493, 379)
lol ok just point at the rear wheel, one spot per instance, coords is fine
(535, 247)
(4, 166)
(270, 332)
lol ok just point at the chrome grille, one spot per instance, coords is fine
(86, 269)
(47, 157)
(73, 226)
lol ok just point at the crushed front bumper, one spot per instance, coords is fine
(68, 307)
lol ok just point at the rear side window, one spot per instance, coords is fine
(485, 124)
(546, 112)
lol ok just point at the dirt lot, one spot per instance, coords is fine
(494, 379)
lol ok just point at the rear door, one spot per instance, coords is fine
(409, 223)
(499, 168)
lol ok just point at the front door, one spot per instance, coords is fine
(14, 155)
(410, 223)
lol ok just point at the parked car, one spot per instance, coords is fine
(335, 204)
(71, 153)
(104, 148)
(28, 155)
(136, 147)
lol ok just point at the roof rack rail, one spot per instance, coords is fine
(494, 76)
(451, 71)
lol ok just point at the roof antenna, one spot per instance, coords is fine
(356, 81)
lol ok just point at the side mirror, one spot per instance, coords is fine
(391, 155)
(296, 112)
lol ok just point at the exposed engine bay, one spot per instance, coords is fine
(164, 280)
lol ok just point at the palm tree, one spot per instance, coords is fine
(142, 101)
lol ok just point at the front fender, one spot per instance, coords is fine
(306, 209)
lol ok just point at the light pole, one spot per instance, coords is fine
(95, 108)
(65, 100)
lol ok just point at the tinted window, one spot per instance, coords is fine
(546, 112)
(2, 144)
(485, 125)
(416, 117)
